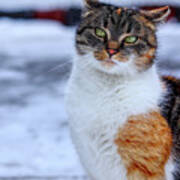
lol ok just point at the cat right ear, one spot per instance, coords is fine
(157, 15)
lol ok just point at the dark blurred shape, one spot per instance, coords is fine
(17, 14)
(67, 17)
(177, 11)
(73, 16)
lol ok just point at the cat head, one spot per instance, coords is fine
(118, 40)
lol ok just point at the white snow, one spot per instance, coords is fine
(46, 37)
(35, 141)
(34, 55)
(34, 137)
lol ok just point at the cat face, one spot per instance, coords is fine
(118, 39)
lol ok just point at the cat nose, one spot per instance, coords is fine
(112, 52)
(112, 47)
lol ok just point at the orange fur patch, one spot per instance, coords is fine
(171, 78)
(159, 10)
(120, 57)
(119, 11)
(150, 53)
(145, 60)
(152, 40)
(144, 144)
(104, 57)
(101, 55)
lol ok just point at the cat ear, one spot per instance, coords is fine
(157, 15)
(90, 4)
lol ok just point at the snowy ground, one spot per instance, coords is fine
(35, 61)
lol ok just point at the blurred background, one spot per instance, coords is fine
(36, 51)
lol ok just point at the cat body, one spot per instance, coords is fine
(98, 105)
(113, 96)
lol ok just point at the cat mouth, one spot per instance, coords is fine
(108, 62)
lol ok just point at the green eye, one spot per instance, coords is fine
(100, 33)
(131, 39)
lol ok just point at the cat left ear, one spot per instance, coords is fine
(157, 15)
(90, 4)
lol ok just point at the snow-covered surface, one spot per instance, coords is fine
(35, 61)
(34, 138)
(47, 39)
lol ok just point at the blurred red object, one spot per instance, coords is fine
(68, 17)
(57, 15)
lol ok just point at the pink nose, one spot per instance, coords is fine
(112, 51)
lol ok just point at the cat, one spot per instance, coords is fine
(113, 95)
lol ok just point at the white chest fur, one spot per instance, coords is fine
(98, 104)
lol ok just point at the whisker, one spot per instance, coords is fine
(59, 66)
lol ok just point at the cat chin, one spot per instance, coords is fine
(123, 70)
(113, 68)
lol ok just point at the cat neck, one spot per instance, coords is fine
(95, 78)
